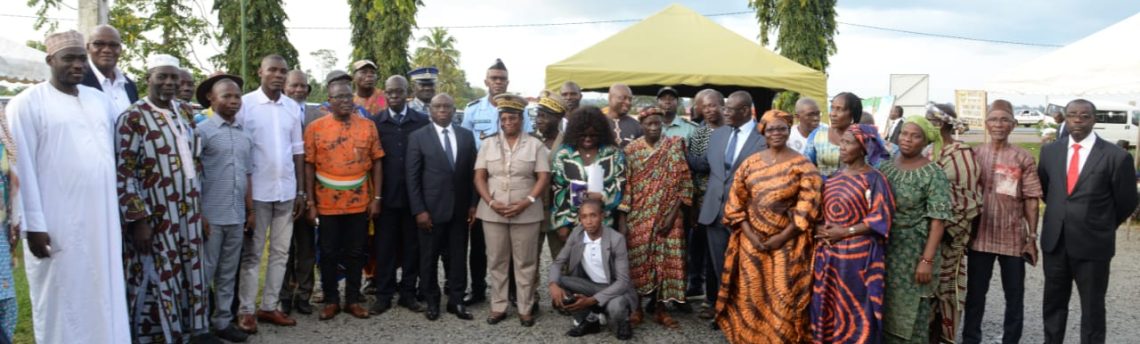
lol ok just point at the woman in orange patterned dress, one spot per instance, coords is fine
(766, 286)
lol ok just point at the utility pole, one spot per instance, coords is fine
(91, 13)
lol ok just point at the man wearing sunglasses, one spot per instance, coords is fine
(104, 46)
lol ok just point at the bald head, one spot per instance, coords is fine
(807, 114)
(442, 109)
(396, 92)
(739, 109)
(104, 45)
(572, 94)
(396, 81)
(297, 85)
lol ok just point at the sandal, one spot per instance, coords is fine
(664, 319)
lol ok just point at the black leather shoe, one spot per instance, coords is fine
(496, 318)
(303, 307)
(584, 328)
(474, 299)
(683, 307)
(232, 334)
(206, 338)
(714, 326)
(624, 331)
(379, 307)
(411, 305)
(460, 312)
(432, 312)
(287, 306)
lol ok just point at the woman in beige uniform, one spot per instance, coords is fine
(511, 172)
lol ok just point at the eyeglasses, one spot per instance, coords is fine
(1079, 116)
(773, 130)
(729, 109)
(106, 44)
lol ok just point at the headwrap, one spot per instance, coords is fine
(162, 60)
(63, 40)
(946, 114)
(772, 116)
(872, 144)
(552, 103)
(932, 134)
(649, 111)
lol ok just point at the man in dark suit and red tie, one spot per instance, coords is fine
(1089, 191)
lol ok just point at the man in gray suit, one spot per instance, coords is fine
(440, 173)
(598, 265)
(729, 145)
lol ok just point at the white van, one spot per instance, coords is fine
(1115, 121)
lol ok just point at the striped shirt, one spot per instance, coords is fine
(1009, 178)
(226, 163)
(957, 160)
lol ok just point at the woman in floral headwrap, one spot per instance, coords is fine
(923, 203)
(848, 265)
(957, 159)
(773, 202)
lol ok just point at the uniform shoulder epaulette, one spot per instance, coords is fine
(473, 102)
(490, 135)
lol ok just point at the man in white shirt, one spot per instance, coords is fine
(598, 264)
(73, 252)
(104, 46)
(274, 122)
(807, 119)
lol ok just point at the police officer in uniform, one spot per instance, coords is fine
(423, 81)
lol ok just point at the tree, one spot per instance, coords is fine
(805, 34)
(380, 32)
(326, 59)
(265, 34)
(439, 51)
(157, 27)
(42, 7)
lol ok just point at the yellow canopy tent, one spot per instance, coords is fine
(681, 48)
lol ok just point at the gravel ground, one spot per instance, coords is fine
(401, 326)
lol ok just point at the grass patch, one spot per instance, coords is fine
(24, 333)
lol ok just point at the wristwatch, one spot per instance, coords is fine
(531, 199)
(377, 198)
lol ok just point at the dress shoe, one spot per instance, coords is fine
(369, 287)
(205, 338)
(379, 307)
(460, 312)
(683, 307)
(707, 314)
(527, 320)
(275, 317)
(357, 310)
(247, 323)
(495, 318)
(624, 331)
(232, 334)
(329, 311)
(303, 307)
(714, 326)
(584, 328)
(474, 299)
(432, 312)
(411, 304)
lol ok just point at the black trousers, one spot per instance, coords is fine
(979, 270)
(451, 236)
(1091, 277)
(478, 260)
(342, 240)
(302, 259)
(698, 254)
(397, 244)
(718, 243)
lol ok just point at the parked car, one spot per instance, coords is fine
(1115, 121)
(1029, 118)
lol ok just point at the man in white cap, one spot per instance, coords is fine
(73, 252)
(159, 196)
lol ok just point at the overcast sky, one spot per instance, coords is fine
(863, 64)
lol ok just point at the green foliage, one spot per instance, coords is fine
(805, 33)
(438, 50)
(42, 7)
(38, 45)
(380, 32)
(157, 27)
(265, 34)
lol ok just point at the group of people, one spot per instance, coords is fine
(154, 212)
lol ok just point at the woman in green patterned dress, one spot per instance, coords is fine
(922, 202)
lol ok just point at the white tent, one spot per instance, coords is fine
(1104, 63)
(21, 64)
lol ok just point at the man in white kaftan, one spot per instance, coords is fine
(66, 166)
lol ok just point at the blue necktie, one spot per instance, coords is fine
(730, 153)
(399, 117)
(447, 148)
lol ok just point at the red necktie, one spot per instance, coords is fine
(1074, 167)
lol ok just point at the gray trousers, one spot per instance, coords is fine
(275, 220)
(617, 309)
(223, 253)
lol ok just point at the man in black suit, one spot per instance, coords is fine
(1089, 187)
(104, 46)
(729, 146)
(397, 240)
(894, 125)
(440, 173)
